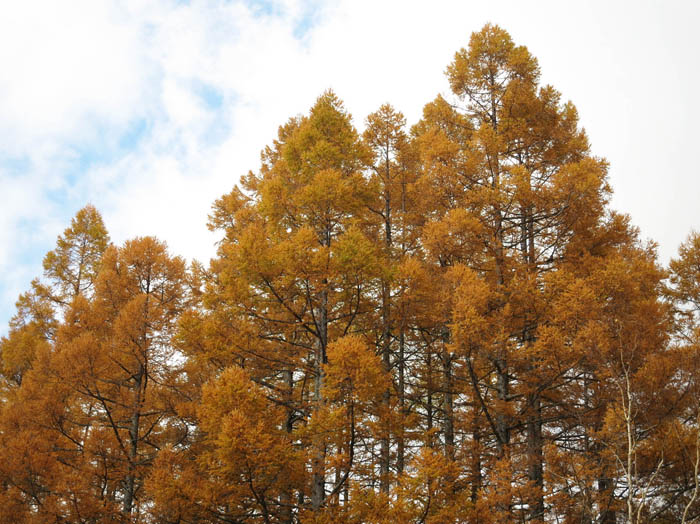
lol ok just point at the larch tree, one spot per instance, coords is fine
(72, 267)
(519, 201)
(116, 353)
(98, 404)
(386, 138)
(295, 273)
(32, 478)
(69, 271)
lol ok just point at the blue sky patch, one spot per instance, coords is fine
(136, 131)
(264, 7)
(309, 19)
(212, 97)
(15, 165)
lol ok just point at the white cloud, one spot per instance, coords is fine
(67, 67)
(152, 110)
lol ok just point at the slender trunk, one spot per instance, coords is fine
(429, 406)
(501, 361)
(335, 499)
(631, 447)
(607, 515)
(130, 487)
(535, 441)
(448, 407)
(531, 244)
(501, 418)
(286, 496)
(535, 459)
(139, 387)
(476, 458)
(386, 431)
(401, 446)
(385, 451)
(318, 467)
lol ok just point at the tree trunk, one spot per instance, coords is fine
(535, 459)
(286, 496)
(476, 458)
(385, 451)
(386, 397)
(448, 407)
(401, 445)
(130, 481)
(607, 515)
(318, 488)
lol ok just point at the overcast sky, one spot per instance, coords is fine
(152, 110)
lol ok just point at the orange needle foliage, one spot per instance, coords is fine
(436, 325)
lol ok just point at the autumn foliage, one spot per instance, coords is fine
(437, 324)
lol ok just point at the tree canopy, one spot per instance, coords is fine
(439, 324)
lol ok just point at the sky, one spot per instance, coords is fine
(150, 110)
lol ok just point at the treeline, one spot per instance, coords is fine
(441, 324)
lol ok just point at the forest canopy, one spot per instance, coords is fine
(442, 323)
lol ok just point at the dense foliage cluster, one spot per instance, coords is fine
(441, 324)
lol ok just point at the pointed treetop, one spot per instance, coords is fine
(74, 264)
(483, 72)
